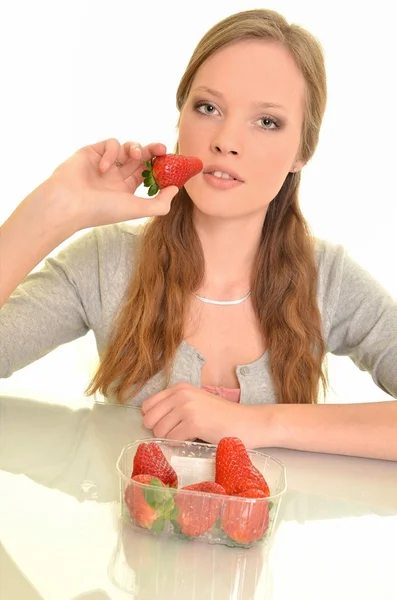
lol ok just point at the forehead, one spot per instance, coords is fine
(254, 70)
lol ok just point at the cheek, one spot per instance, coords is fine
(268, 174)
(273, 162)
(185, 134)
(185, 145)
(191, 135)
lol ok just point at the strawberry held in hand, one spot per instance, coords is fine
(234, 469)
(150, 460)
(197, 512)
(150, 507)
(170, 169)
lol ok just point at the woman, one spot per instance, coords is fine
(217, 316)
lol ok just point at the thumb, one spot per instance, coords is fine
(161, 204)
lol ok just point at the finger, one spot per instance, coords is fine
(111, 151)
(108, 150)
(130, 163)
(159, 411)
(132, 158)
(118, 207)
(165, 425)
(177, 387)
(152, 150)
(115, 207)
(182, 432)
(161, 204)
(149, 403)
(132, 173)
(130, 151)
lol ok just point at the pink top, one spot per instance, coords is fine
(228, 393)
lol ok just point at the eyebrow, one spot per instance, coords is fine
(257, 104)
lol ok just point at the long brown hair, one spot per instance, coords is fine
(151, 324)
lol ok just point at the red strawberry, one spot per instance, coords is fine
(149, 507)
(150, 460)
(197, 512)
(246, 522)
(170, 169)
(234, 469)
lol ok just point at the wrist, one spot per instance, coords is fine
(262, 427)
(50, 212)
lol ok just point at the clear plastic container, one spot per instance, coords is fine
(212, 518)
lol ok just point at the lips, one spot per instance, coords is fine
(223, 169)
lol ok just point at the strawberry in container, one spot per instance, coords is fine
(243, 521)
(214, 494)
(149, 503)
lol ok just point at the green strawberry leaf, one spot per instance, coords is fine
(155, 497)
(153, 190)
(233, 543)
(270, 505)
(178, 531)
(168, 508)
(158, 525)
(176, 526)
(145, 173)
(174, 513)
(218, 523)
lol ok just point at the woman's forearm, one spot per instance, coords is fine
(32, 231)
(365, 429)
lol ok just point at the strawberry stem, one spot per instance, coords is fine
(149, 180)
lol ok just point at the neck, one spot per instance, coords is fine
(230, 249)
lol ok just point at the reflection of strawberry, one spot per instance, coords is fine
(234, 469)
(198, 512)
(246, 522)
(149, 506)
(170, 169)
(150, 460)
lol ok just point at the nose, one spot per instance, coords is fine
(225, 142)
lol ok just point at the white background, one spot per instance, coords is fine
(74, 73)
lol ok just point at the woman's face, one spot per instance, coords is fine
(243, 117)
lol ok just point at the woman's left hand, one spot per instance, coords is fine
(185, 412)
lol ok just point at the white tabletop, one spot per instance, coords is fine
(62, 539)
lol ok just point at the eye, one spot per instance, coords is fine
(267, 122)
(205, 108)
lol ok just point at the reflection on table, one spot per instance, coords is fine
(60, 506)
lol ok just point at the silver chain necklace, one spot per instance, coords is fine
(222, 302)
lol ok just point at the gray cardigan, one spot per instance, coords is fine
(83, 286)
